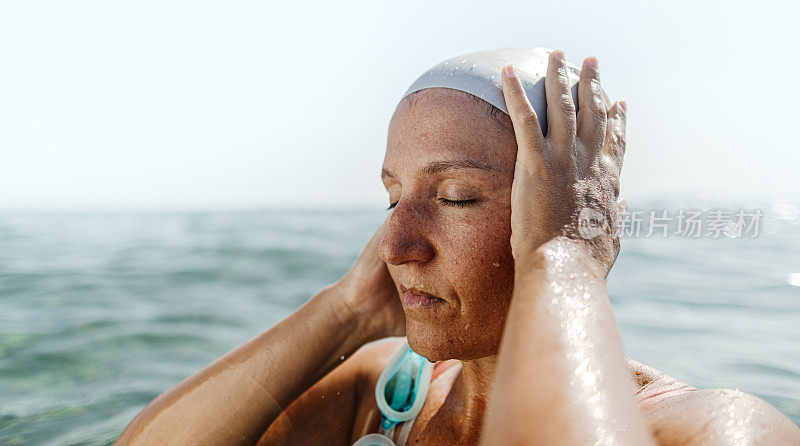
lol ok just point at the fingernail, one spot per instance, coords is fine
(510, 72)
(559, 54)
(624, 106)
(593, 63)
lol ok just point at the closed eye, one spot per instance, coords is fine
(446, 202)
(459, 203)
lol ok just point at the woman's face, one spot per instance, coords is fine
(448, 169)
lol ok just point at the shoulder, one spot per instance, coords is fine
(370, 360)
(721, 416)
(678, 413)
(378, 351)
(325, 413)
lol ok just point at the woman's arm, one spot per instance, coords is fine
(562, 377)
(561, 374)
(234, 399)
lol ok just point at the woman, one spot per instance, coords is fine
(482, 266)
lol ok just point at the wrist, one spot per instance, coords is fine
(558, 253)
(337, 297)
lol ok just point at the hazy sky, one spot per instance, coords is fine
(193, 104)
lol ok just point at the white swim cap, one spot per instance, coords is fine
(479, 75)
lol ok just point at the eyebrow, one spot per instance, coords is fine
(442, 166)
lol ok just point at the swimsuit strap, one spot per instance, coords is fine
(440, 366)
(659, 389)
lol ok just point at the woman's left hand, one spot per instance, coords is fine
(566, 184)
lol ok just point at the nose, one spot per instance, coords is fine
(405, 237)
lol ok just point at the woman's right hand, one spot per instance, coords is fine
(369, 293)
(566, 184)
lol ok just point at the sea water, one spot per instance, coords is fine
(101, 312)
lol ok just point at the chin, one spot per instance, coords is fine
(438, 341)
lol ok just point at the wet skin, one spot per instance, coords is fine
(477, 261)
(448, 170)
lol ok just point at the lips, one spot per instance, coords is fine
(416, 298)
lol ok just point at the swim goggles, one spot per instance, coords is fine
(400, 392)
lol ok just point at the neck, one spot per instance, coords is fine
(466, 403)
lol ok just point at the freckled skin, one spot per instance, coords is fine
(294, 381)
(460, 254)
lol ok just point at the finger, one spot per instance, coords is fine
(561, 121)
(530, 141)
(622, 205)
(615, 140)
(592, 109)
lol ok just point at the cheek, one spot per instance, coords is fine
(478, 259)
(475, 255)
